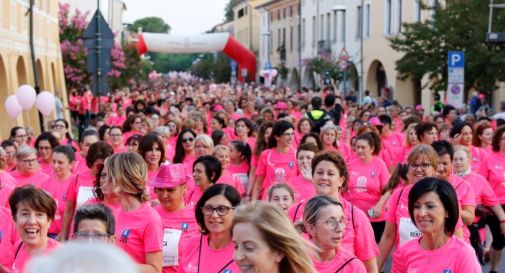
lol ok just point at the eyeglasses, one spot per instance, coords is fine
(288, 134)
(58, 126)
(29, 161)
(220, 210)
(98, 236)
(115, 135)
(332, 223)
(171, 125)
(423, 166)
(190, 139)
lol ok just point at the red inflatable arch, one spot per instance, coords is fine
(211, 42)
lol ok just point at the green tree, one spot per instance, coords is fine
(150, 24)
(228, 10)
(459, 26)
(208, 67)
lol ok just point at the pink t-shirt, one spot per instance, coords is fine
(344, 262)
(80, 165)
(46, 168)
(8, 238)
(230, 179)
(240, 171)
(483, 192)
(139, 231)
(393, 143)
(8, 184)
(303, 188)
(366, 181)
(34, 179)
(197, 256)
(179, 227)
(466, 197)
(358, 233)
(398, 214)
(192, 196)
(493, 169)
(24, 257)
(477, 156)
(58, 190)
(276, 167)
(80, 189)
(455, 256)
(151, 174)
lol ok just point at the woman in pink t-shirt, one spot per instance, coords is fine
(63, 159)
(329, 139)
(324, 221)
(303, 127)
(302, 184)
(62, 127)
(462, 133)
(9, 239)
(265, 241)
(132, 125)
(399, 227)
(329, 176)
(151, 148)
(206, 171)
(281, 195)
(212, 251)
(203, 145)
(223, 154)
(27, 168)
(179, 221)
(277, 164)
(117, 140)
(240, 161)
(368, 174)
(33, 211)
(261, 145)
(410, 142)
(184, 148)
(433, 208)
(483, 137)
(139, 229)
(244, 130)
(45, 143)
(493, 169)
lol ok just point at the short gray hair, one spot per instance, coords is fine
(24, 151)
(83, 257)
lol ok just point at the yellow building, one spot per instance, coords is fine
(246, 23)
(15, 57)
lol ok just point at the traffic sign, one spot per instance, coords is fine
(456, 59)
(344, 55)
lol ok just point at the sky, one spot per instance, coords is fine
(185, 17)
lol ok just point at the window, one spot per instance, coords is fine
(284, 13)
(278, 14)
(342, 38)
(388, 19)
(279, 37)
(359, 21)
(328, 26)
(367, 18)
(335, 25)
(290, 11)
(400, 16)
(284, 37)
(304, 30)
(240, 13)
(299, 36)
(417, 11)
(290, 39)
(321, 25)
(314, 28)
(270, 39)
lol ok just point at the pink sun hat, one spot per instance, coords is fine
(170, 176)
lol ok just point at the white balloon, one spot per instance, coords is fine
(12, 106)
(45, 102)
(273, 72)
(26, 96)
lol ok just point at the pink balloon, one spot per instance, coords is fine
(273, 72)
(12, 106)
(45, 103)
(26, 96)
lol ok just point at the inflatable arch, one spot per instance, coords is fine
(159, 42)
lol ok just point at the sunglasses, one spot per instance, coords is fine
(190, 139)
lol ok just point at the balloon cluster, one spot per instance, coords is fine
(172, 75)
(25, 98)
(269, 73)
(153, 75)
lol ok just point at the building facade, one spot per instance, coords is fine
(280, 40)
(16, 66)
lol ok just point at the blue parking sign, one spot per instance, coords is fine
(456, 59)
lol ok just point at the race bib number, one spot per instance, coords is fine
(243, 178)
(171, 239)
(407, 230)
(84, 194)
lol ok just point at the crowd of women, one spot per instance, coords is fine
(210, 178)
